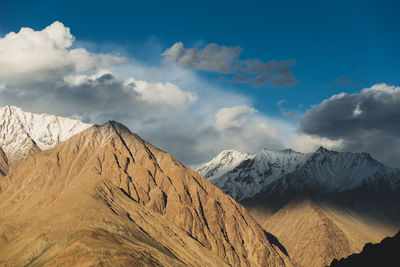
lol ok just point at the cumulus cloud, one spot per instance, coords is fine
(31, 54)
(225, 59)
(367, 121)
(229, 118)
(169, 105)
(160, 93)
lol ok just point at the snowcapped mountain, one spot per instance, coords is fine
(224, 162)
(23, 133)
(323, 170)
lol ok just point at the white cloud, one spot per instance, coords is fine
(160, 93)
(232, 117)
(173, 107)
(136, 90)
(36, 55)
(307, 143)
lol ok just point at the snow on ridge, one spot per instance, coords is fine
(223, 163)
(21, 130)
(324, 170)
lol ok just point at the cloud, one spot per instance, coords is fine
(160, 93)
(229, 118)
(35, 55)
(345, 82)
(225, 59)
(368, 121)
(212, 57)
(289, 114)
(171, 106)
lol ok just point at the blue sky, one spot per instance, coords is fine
(338, 46)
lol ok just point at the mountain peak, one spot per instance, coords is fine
(23, 133)
(133, 202)
(322, 149)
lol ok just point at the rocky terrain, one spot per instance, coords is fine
(107, 197)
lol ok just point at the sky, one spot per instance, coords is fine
(198, 77)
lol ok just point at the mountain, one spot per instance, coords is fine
(285, 170)
(23, 134)
(321, 205)
(226, 161)
(243, 176)
(107, 197)
(383, 254)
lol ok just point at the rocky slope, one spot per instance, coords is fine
(321, 205)
(3, 163)
(107, 197)
(383, 254)
(23, 134)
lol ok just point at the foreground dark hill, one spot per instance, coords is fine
(384, 254)
(107, 197)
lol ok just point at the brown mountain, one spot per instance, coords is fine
(107, 197)
(384, 254)
(315, 232)
(317, 228)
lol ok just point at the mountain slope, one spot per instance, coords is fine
(105, 196)
(321, 205)
(3, 163)
(23, 134)
(315, 232)
(325, 170)
(383, 254)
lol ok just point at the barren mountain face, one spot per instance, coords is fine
(107, 197)
(3, 163)
(314, 233)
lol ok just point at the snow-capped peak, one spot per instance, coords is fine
(20, 131)
(323, 170)
(222, 163)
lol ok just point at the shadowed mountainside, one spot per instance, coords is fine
(317, 228)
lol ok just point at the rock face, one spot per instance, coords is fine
(23, 134)
(3, 163)
(105, 196)
(321, 205)
(383, 254)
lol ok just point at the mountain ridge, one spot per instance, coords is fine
(321, 205)
(106, 183)
(23, 134)
(328, 170)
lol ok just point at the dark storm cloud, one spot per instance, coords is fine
(368, 121)
(224, 59)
